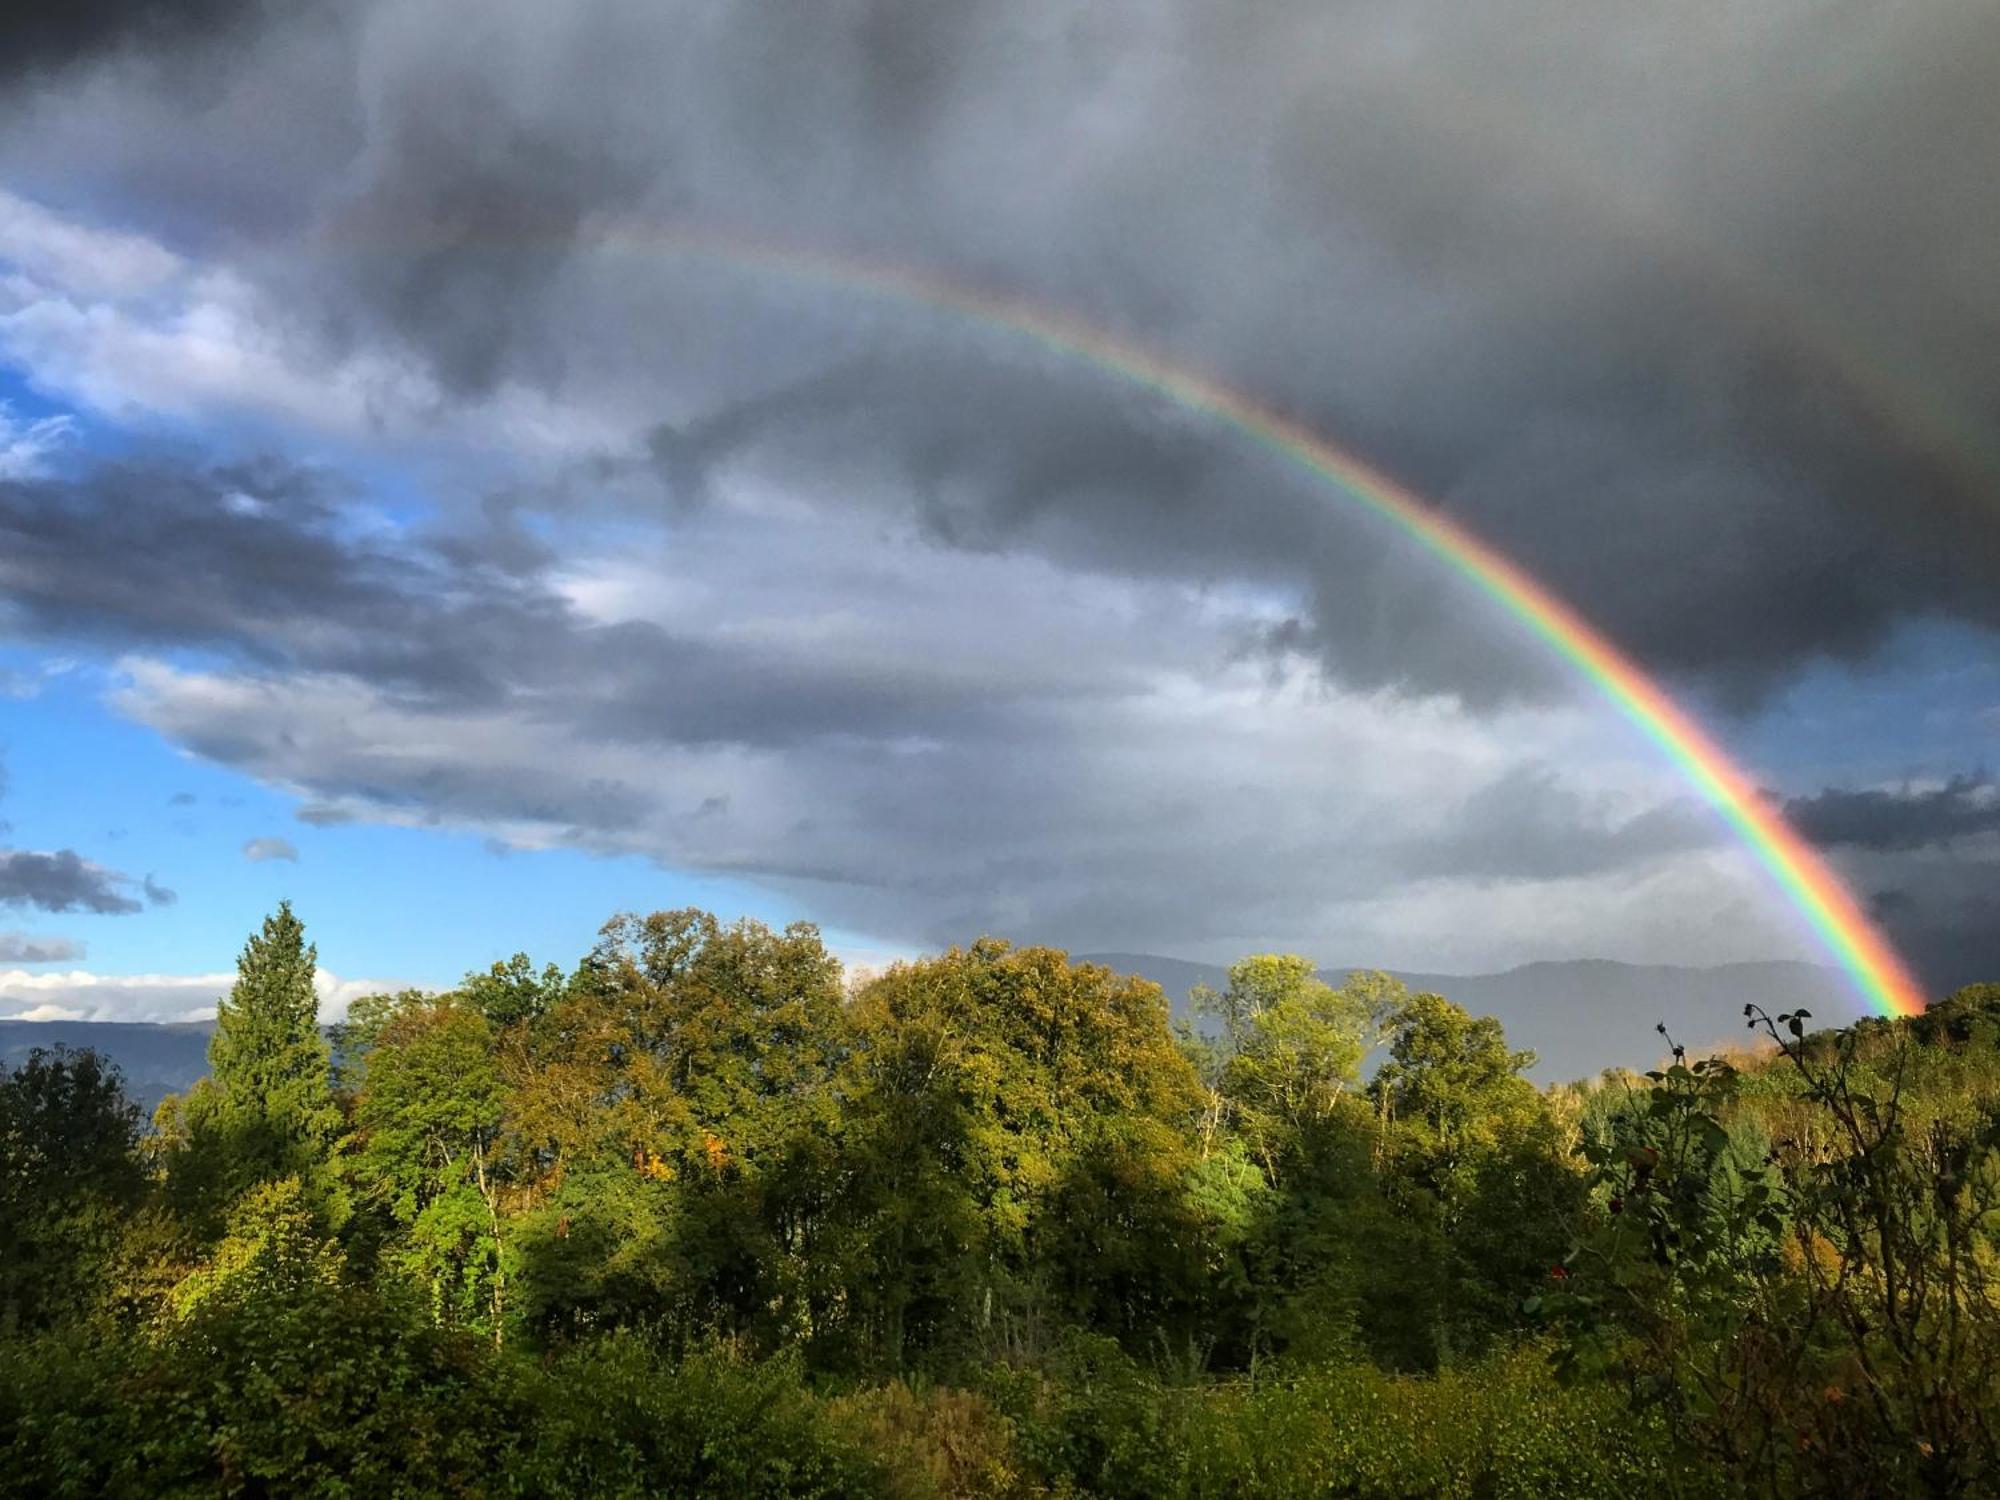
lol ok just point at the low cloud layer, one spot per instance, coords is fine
(80, 995)
(47, 39)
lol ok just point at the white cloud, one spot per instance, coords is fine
(26, 446)
(67, 256)
(46, 1012)
(1191, 805)
(121, 325)
(80, 995)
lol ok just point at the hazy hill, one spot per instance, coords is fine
(1584, 1015)
(157, 1058)
(1579, 1017)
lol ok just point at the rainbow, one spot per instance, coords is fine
(1829, 908)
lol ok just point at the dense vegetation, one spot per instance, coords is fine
(699, 1217)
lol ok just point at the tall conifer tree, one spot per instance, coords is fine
(272, 1099)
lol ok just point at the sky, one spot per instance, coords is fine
(467, 468)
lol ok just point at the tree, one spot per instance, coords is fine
(1292, 1045)
(514, 993)
(266, 1111)
(429, 1112)
(1021, 1129)
(675, 1124)
(1825, 1309)
(69, 1170)
(1471, 1147)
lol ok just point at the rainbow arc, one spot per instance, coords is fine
(1808, 882)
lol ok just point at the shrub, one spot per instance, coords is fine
(1496, 1431)
(613, 1419)
(937, 1441)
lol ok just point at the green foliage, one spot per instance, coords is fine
(697, 1219)
(69, 1172)
(428, 1114)
(1020, 1128)
(514, 993)
(276, 1379)
(1824, 1316)
(266, 1110)
(613, 1419)
(1474, 1153)
(1293, 1045)
(1099, 1424)
(937, 1441)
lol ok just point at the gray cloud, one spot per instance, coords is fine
(1944, 918)
(157, 894)
(1681, 309)
(258, 851)
(47, 38)
(274, 582)
(1908, 818)
(22, 948)
(60, 882)
(1688, 381)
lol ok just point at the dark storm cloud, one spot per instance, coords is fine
(1006, 455)
(1910, 818)
(38, 37)
(1530, 825)
(1348, 215)
(59, 882)
(1946, 921)
(1613, 288)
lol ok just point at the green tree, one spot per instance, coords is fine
(69, 1172)
(1022, 1131)
(515, 992)
(677, 1130)
(1292, 1046)
(428, 1114)
(1471, 1149)
(266, 1111)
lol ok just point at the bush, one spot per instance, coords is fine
(332, 1396)
(1101, 1426)
(613, 1419)
(937, 1441)
(336, 1394)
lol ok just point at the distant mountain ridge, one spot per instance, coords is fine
(1579, 1016)
(158, 1058)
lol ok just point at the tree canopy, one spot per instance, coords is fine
(701, 1215)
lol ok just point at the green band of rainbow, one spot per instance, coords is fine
(1830, 909)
